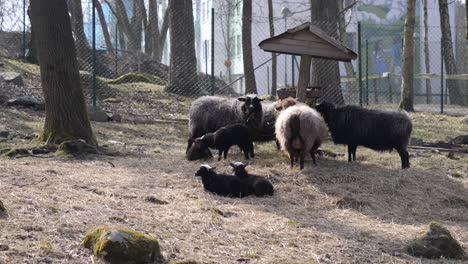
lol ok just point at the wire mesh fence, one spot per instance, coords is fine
(194, 48)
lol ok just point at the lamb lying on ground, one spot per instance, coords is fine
(259, 185)
(375, 129)
(221, 184)
(224, 138)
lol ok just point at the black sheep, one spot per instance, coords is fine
(226, 137)
(259, 185)
(224, 185)
(375, 129)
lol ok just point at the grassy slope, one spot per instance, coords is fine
(331, 213)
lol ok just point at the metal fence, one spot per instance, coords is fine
(121, 41)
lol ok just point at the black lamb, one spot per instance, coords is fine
(259, 185)
(226, 137)
(375, 129)
(210, 113)
(221, 184)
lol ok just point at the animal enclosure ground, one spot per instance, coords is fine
(336, 212)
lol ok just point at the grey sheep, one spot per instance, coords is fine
(210, 113)
(300, 130)
(375, 129)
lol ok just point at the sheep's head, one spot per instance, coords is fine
(204, 170)
(239, 169)
(251, 108)
(200, 142)
(285, 103)
(197, 151)
(325, 109)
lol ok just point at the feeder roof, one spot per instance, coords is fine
(308, 39)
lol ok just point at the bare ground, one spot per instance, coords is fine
(336, 212)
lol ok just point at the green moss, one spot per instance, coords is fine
(112, 100)
(16, 152)
(119, 245)
(75, 148)
(137, 77)
(436, 243)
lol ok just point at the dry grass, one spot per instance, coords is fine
(335, 212)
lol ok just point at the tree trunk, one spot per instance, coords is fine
(407, 70)
(350, 73)
(82, 46)
(105, 30)
(455, 94)
(274, 60)
(31, 56)
(66, 116)
(427, 56)
(250, 84)
(326, 73)
(124, 25)
(183, 77)
(136, 25)
(163, 33)
(154, 29)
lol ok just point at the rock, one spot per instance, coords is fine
(120, 245)
(436, 243)
(4, 134)
(76, 148)
(26, 101)
(116, 118)
(460, 140)
(97, 115)
(12, 77)
(16, 152)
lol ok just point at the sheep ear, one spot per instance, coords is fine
(232, 164)
(242, 99)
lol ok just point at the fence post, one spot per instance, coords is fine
(94, 52)
(442, 76)
(367, 72)
(292, 71)
(24, 29)
(360, 64)
(212, 51)
(268, 80)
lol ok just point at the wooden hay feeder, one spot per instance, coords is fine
(307, 41)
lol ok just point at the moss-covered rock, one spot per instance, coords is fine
(120, 245)
(16, 152)
(103, 90)
(436, 243)
(137, 77)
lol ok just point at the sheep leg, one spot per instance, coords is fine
(349, 153)
(312, 154)
(352, 152)
(302, 161)
(291, 157)
(252, 154)
(225, 153)
(404, 155)
(246, 151)
(278, 147)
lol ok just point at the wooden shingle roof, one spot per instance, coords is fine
(308, 39)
